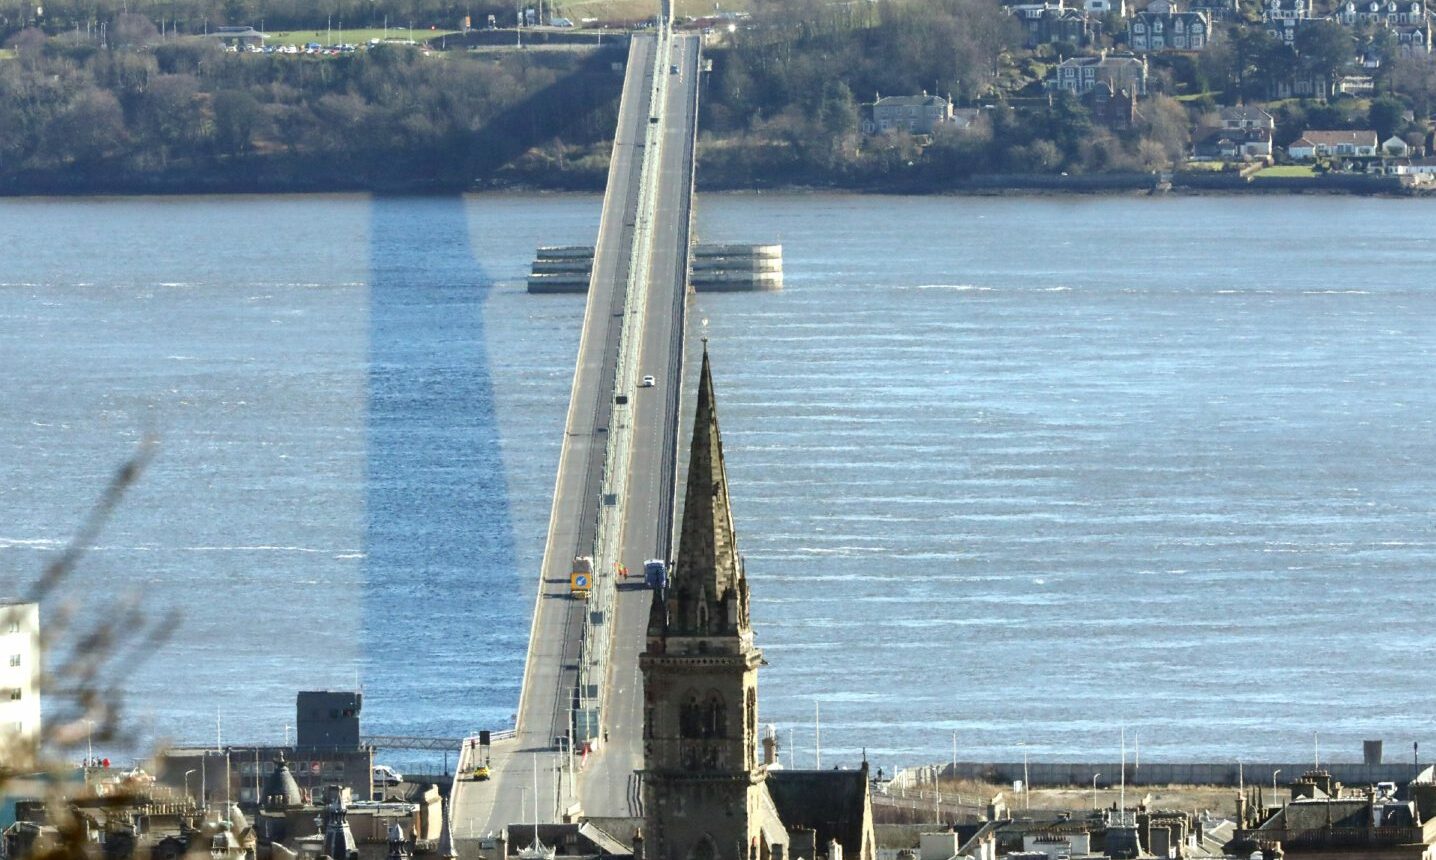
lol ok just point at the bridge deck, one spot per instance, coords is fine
(608, 786)
(551, 672)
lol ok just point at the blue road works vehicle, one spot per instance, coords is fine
(655, 574)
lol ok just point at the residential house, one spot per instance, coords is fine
(1215, 10)
(1161, 28)
(1344, 826)
(1424, 169)
(1080, 75)
(1355, 85)
(1301, 84)
(1232, 144)
(913, 114)
(1116, 109)
(1408, 19)
(1045, 23)
(1394, 145)
(1389, 13)
(1105, 7)
(1413, 41)
(1333, 144)
(1284, 17)
(1246, 116)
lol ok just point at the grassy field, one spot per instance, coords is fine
(1219, 799)
(351, 37)
(632, 10)
(7, 54)
(1289, 170)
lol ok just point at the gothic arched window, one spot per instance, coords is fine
(715, 717)
(690, 717)
(704, 850)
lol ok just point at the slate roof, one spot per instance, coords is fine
(832, 802)
(1245, 113)
(1236, 135)
(1363, 137)
(1313, 815)
(910, 101)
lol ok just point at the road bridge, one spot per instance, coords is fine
(614, 495)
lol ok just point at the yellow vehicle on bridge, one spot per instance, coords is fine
(580, 582)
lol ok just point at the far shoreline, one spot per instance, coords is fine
(1009, 185)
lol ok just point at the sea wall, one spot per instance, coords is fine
(1174, 773)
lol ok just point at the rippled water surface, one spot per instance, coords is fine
(1023, 470)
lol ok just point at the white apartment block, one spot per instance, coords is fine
(19, 684)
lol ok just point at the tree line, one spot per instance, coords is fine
(193, 16)
(185, 115)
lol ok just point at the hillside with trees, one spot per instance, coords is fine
(100, 98)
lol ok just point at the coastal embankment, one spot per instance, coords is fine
(1228, 773)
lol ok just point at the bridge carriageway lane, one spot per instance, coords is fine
(551, 667)
(609, 786)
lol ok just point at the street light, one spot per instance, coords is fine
(89, 745)
(187, 794)
(1094, 789)
(1026, 782)
(1273, 784)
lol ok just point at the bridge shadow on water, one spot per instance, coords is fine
(440, 607)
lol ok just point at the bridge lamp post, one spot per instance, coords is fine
(1273, 784)
(187, 794)
(1094, 789)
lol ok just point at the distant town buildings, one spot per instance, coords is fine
(20, 680)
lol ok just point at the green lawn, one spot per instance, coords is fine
(633, 10)
(351, 37)
(7, 54)
(1289, 170)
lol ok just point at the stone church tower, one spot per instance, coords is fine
(704, 792)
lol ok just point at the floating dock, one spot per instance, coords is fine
(725, 268)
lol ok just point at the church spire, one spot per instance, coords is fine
(707, 591)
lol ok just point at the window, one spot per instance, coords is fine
(14, 626)
(14, 660)
(16, 693)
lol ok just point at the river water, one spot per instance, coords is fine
(1017, 472)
